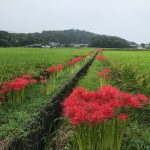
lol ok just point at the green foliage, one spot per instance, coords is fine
(137, 137)
(109, 42)
(64, 37)
(91, 80)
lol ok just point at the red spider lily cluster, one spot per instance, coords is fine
(17, 85)
(93, 107)
(100, 58)
(55, 68)
(53, 71)
(104, 73)
(10, 88)
(75, 60)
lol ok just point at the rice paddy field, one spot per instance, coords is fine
(108, 108)
(15, 62)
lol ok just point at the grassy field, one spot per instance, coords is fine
(16, 61)
(15, 117)
(130, 72)
(133, 68)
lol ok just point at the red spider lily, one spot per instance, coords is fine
(18, 84)
(116, 103)
(55, 68)
(32, 81)
(130, 100)
(104, 72)
(84, 106)
(75, 60)
(5, 88)
(42, 79)
(100, 58)
(106, 77)
(142, 99)
(123, 117)
(51, 70)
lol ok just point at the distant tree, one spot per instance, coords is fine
(109, 42)
(142, 45)
(65, 37)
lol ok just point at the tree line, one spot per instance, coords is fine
(63, 37)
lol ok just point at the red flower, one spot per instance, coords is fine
(100, 58)
(32, 81)
(107, 111)
(123, 117)
(108, 93)
(75, 60)
(79, 115)
(142, 99)
(130, 100)
(51, 70)
(104, 72)
(43, 81)
(92, 107)
(18, 84)
(116, 103)
(5, 88)
(55, 68)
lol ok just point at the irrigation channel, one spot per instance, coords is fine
(35, 140)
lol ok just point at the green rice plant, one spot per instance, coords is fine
(130, 73)
(17, 61)
(15, 117)
(137, 137)
(130, 70)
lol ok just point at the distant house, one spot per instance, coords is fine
(45, 46)
(147, 46)
(79, 45)
(35, 45)
(133, 45)
(54, 44)
(38, 46)
(140, 47)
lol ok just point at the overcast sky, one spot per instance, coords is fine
(129, 19)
